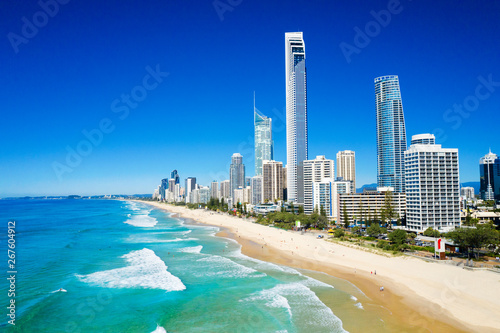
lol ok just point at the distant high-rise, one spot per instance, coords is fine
(296, 114)
(489, 173)
(175, 176)
(432, 186)
(391, 133)
(346, 166)
(190, 186)
(236, 173)
(225, 192)
(263, 139)
(214, 190)
(315, 171)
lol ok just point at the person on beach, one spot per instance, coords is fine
(375, 273)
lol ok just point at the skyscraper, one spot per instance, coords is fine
(190, 186)
(346, 166)
(236, 173)
(391, 133)
(263, 138)
(214, 190)
(432, 186)
(489, 173)
(296, 114)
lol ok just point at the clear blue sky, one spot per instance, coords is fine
(66, 75)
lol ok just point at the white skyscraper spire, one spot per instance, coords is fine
(296, 114)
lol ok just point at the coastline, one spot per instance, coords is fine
(418, 296)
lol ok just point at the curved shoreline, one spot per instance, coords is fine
(421, 296)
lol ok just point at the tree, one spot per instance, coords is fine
(429, 232)
(356, 230)
(398, 236)
(345, 217)
(322, 222)
(475, 238)
(322, 211)
(388, 211)
(301, 209)
(339, 233)
(292, 208)
(374, 230)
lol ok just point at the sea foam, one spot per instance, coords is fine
(159, 329)
(224, 267)
(145, 270)
(143, 221)
(301, 302)
(194, 249)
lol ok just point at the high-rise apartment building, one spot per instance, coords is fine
(190, 186)
(263, 139)
(346, 166)
(225, 190)
(432, 187)
(391, 133)
(256, 190)
(214, 189)
(467, 192)
(489, 177)
(326, 195)
(296, 113)
(272, 181)
(236, 173)
(315, 171)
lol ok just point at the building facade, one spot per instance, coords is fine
(236, 173)
(256, 189)
(272, 181)
(391, 133)
(315, 171)
(489, 177)
(225, 189)
(346, 166)
(326, 195)
(263, 139)
(190, 186)
(214, 189)
(467, 193)
(296, 113)
(432, 187)
(367, 206)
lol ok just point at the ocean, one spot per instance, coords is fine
(128, 267)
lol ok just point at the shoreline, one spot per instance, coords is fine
(435, 299)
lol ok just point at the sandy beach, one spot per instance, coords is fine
(420, 296)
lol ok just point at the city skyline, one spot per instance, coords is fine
(59, 93)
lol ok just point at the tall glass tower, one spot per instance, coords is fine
(236, 173)
(391, 133)
(489, 177)
(263, 139)
(296, 114)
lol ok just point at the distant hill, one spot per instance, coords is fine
(476, 186)
(360, 190)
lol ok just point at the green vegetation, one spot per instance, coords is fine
(473, 239)
(430, 232)
(398, 237)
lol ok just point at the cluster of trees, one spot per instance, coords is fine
(475, 238)
(286, 220)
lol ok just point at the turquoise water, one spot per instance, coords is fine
(127, 267)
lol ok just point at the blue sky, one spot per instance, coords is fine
(73, 70)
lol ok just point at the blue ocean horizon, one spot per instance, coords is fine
(128, 267)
